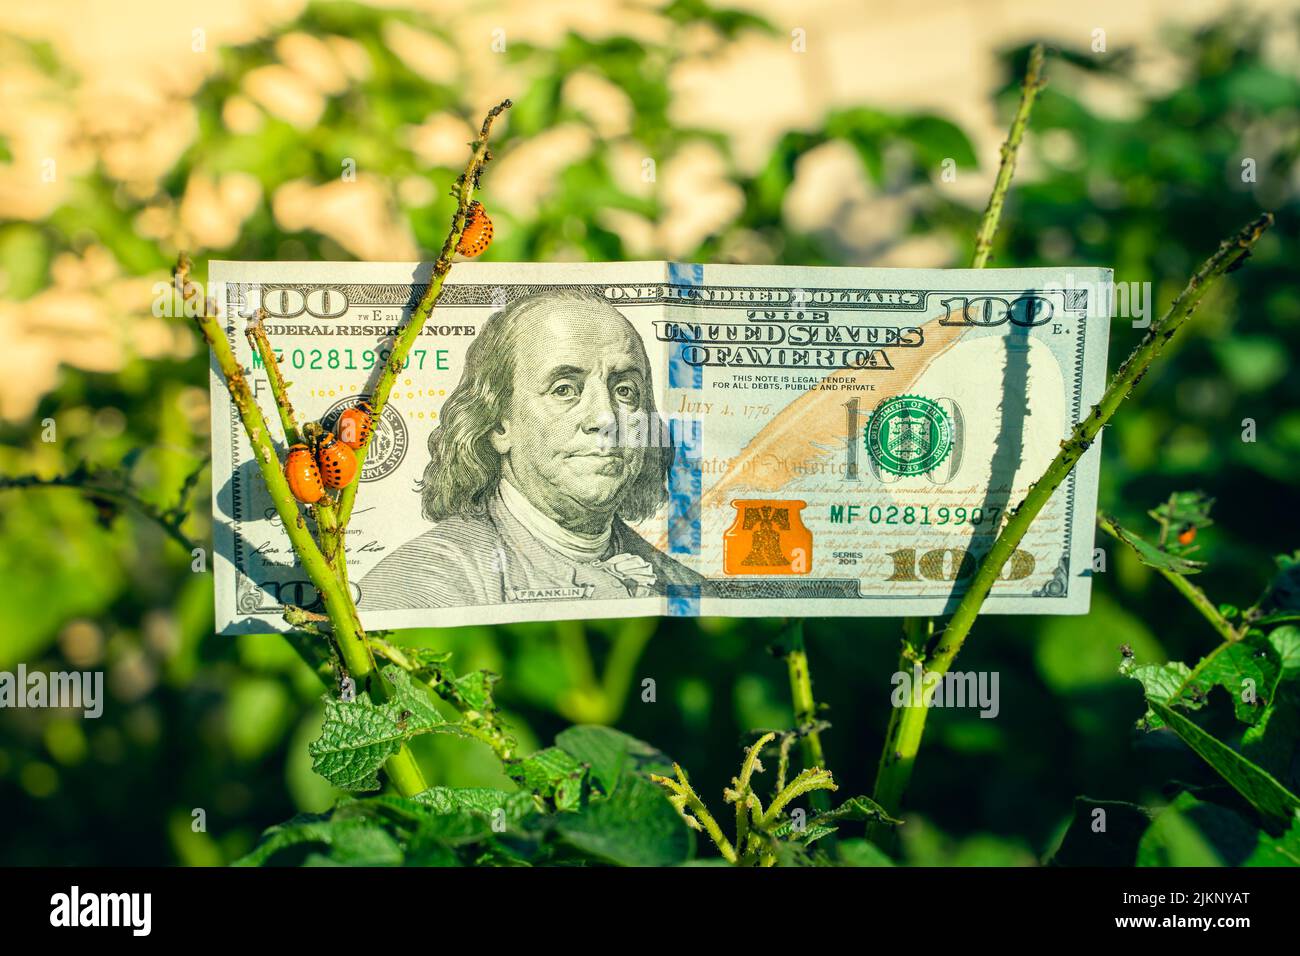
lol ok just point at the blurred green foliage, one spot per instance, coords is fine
(222, 725)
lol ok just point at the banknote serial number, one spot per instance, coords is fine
(354, 359)
(915, 514)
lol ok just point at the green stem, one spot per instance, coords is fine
(624, 652)
(1198, 598)
(1029, 89)
(894, 771)
(805, 707)
(903, 735)
(261, 343)
(331, 535)
(404, 773)
(331, 538)
(742, 795)
(801, 697)
(585, 701)
(356, 655)
(1229, 253)
(814, 780)
(406, 339)
(327, 569)
(684, 798)
(346, 632)
(893, 775)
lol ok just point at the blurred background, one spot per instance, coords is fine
(817, 135)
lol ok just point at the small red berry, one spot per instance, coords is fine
(1187, 536)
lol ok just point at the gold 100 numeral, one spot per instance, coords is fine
(953, 564)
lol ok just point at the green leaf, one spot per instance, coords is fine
(1277, 851)
(1274, 739)
(474, 690)
(861, 852)
(609, 753)
(551, 774)
(1286, 642)
(634, 826)
(936, 139)
(1102, 840)
(472, 814)
(1250, 664)
(808, 834)
(1260, 788)
(427, 830)
(1154, 556)
(1192, 832)
(858, 808)
(479, 799)
(855, 808)
(351, 841)
(426, 660)
(358, 736)
(1160, 683)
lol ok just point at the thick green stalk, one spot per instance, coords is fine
(903, 733)
(1229, 254)
(893, 776)
(404, 772)
(331, 540)
(1030, 87)
(347, 634)
(805, 708)
(356, 655)
(805, 705)
(327, 569)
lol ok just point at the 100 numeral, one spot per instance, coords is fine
(953, 564)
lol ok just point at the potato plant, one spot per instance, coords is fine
(590, 794)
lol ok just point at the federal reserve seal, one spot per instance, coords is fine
(387, 447)
(908, 435)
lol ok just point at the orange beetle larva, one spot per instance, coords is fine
(478, 232)
(338, 465)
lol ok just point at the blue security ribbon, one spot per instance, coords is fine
(685, 480)
(681, 373)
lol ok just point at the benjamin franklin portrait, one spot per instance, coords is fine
(529, 489)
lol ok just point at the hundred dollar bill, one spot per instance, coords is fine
(615, 439)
